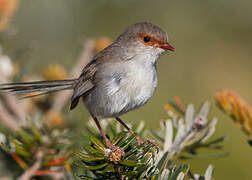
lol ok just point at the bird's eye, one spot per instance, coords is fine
(146, 39)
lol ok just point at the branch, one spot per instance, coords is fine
(14, 105)
(8, 120)
(59, 173)
(197, 125)
(62, 97)
(11, 99)
(29, 173)
(5, 178)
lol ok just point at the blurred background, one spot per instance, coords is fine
(213, 51)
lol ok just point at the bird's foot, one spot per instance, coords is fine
(150, 141)
(114, 153)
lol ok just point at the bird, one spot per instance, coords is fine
(120, 78)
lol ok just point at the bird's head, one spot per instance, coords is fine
(145, 37)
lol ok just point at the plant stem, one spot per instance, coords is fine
(197, 125)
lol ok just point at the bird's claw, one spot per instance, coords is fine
(150, 141)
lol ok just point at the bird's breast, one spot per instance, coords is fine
(141, 82)
(121, 88)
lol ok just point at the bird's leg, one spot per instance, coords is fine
(116, 152)
(139, 141)
(106, 140)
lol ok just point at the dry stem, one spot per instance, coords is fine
(29, 173)
(12, 102)
(15, 107)
(197, 125)
(62, 97)
(8, 120)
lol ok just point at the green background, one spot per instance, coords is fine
(213, 44)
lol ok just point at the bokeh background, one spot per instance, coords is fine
(213, 51)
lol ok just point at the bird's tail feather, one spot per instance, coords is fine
(43, 87)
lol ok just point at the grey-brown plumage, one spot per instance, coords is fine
(127, 47)
(120, 78)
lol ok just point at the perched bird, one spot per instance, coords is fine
(120, 78)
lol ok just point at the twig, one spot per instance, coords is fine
(58, 173)
(8, 120)
(5, 178)
(85, 57)
(29, 173)
(62, 97)
(15, 107)
(197, 125)
(13, 103)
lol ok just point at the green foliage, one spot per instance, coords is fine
(181, 123)
(180, 137)
(138, 162)
(22, 146)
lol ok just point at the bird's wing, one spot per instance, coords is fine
(85, 82)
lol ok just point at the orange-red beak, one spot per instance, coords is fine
(167, 46)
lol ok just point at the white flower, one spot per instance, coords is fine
(6, 67)
(2, 138)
